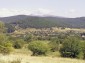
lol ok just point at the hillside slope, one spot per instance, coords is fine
(26, 21)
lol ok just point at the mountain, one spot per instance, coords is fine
(25, 21)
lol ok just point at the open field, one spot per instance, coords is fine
(54, 29)
(30, 59)
(24, 55)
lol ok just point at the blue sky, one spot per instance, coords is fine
(65, 8)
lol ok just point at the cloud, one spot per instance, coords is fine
(42, 12)
(72, 11)
(10, 12)
(38, 12)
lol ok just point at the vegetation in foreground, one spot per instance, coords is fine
(34, 59)
(68, 45)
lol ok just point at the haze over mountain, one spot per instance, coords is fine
(25, 21)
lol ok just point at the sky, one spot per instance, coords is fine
(64, 8)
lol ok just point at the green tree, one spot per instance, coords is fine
(10, 28)
(71, 47)
(38, 48)
(5, 46)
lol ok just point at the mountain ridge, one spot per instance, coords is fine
(25, 21)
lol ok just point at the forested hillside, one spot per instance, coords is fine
(25, 21)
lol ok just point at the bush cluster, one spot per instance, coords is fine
(38, 48)
(72, 48)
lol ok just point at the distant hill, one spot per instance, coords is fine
(25, 21)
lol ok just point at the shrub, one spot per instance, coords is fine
(55, 44)
(2, 27)
(3, 38)
(38, 47)
(83, 49)
(5, 44)
(6, 48)
(28, 38)
(18, 44)
(80, 55)
(71, 47)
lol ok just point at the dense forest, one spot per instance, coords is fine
(25, 21)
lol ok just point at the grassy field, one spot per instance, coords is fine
(24, 55)
(33, 59)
